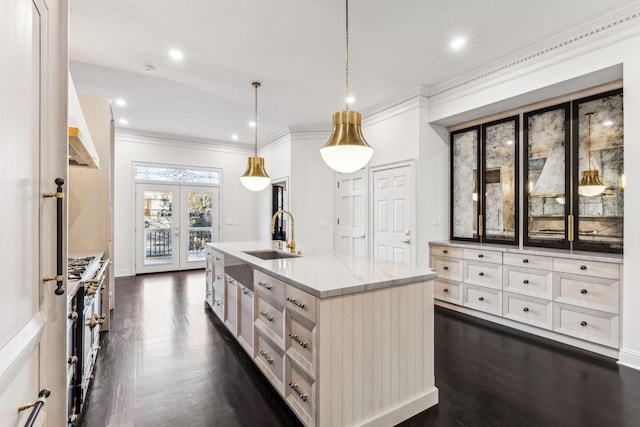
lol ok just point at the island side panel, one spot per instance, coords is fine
(375, 354)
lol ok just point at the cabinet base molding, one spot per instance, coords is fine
(403, 411)
(564, 339)
(629, 358)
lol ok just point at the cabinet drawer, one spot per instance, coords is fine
(300, 341)
(483, 299)
(448, 268)
(446, 251)
(217, 257)
(590, 325)
(271, 317)
(209, 294)
(245, 317)
(218, 300)
(300, 302)
(530, 261)
(270, 359)
(483, 274)
(482, 255)
(268, 286)
(589, 292)
(587, 268)
(527, 281)
(300, 392)
(447, 291)
(231, 305)
(534, 311)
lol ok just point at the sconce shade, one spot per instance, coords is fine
(591, 184)
(255, 178)
(346, 151)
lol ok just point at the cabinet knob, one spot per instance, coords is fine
(583, 267)
(445, 290)
(583, 291)
(583, 323)
(525, 281)
(480, 256)
(444, 251)
(526, 261)
(481, 299)
(526, 309)
(481, 274)
(445, 268)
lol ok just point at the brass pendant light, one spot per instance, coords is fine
(346, 151)
(590, 184)
(255, 178)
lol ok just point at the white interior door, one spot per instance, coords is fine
(351, 215)
(21, 315)
(173, 223)
(393, 214)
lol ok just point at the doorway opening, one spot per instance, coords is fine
(279, 200)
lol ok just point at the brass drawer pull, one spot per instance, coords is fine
(266, 357)
(302, 396)
(294, 337)
(293, 301)
(264, 285)
(266, 316)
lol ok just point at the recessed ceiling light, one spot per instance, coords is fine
(121, 102)
(123, 121)
(350, 99)
(176, 55)
(252, 124)
(458, 43)
(607, 123)
(234, 137)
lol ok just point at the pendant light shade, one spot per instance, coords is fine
(590, 185)
(255, 178)
(346, 151)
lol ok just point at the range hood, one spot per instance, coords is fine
(82, 151)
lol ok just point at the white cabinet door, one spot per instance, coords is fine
(392, 214)
(22, 307)
(351, 213)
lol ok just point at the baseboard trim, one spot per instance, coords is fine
(403, 411)
(125, 272)
(629, 358)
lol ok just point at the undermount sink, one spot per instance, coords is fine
(270, 254)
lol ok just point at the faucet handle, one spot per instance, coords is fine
(279, 244)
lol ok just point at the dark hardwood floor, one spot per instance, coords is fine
(169, 362)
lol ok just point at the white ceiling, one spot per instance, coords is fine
(296, 48)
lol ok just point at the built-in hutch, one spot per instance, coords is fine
(556, 269)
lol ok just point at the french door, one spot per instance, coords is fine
(173, 223)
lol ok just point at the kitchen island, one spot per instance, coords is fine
(344, 340)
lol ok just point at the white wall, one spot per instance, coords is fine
(577, 67)
(237, 203)
(277, 160)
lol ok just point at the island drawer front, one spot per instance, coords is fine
(245, 317)
(534, 311)
(483, 274)
(447, 291)
(218, 300)
(270, 315)
(587, 268)
(300, 392)
(446, 251)
(526, 281)
(301, 302)
(209, 265)
(271, 359)
(448, 268)
(217, 258)
(300, 341)
(209, 294)
(231, 304)
(484, 299)
(482, 255)
(598, 327)
(590, 292)
(264, 284)
(530, 261)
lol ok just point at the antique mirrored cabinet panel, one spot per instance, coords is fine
(546, 141)
(598, 135)
(465, 183)
(500, 181)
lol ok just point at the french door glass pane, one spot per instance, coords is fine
(200, 224)
(158, 224)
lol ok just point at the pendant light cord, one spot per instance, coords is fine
(346, 77)
(256, 85)
(589, 137)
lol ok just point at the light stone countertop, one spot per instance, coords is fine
(328, 275)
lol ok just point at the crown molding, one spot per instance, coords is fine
(151, 138)
(607, 26)
(409, 100)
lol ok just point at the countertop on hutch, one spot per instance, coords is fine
(326, 275)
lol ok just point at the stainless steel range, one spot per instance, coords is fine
(86, 275)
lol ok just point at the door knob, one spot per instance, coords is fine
(408, 241)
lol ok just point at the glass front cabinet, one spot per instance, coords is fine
(572, 185)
